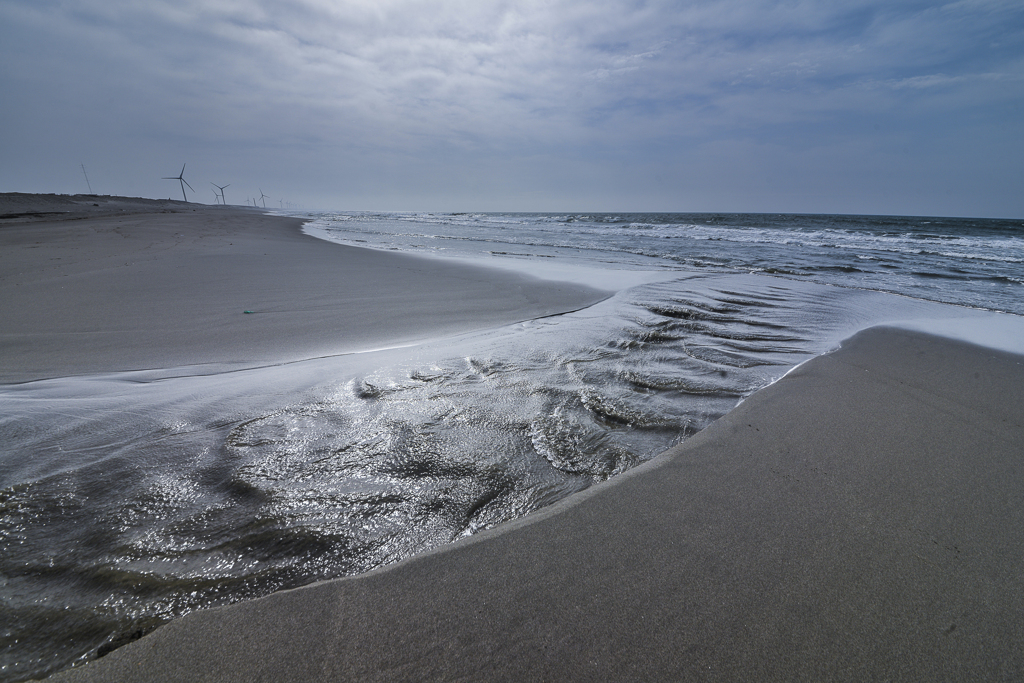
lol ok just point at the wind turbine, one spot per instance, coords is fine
(222, 200)
(181, 179)
(216, 197)
(263, 198)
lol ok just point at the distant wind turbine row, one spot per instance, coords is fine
(217, 197)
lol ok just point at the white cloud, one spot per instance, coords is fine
(942, 80)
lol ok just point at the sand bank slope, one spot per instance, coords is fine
(861, 519)
(133, 288)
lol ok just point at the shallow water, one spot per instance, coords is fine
(963, 261)
(131, 498)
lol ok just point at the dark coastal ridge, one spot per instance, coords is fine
(858, 519)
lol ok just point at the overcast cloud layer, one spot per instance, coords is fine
(725, 105)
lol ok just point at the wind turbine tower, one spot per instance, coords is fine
(181, 179)
(88, 184)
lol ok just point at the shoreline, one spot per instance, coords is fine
(174, 306)
(204, 285)
(856, 519)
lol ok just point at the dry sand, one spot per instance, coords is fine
(91, 284)
(861, 519)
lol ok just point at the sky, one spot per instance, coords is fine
(861, 106)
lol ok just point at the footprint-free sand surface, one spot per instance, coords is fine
(143, 284)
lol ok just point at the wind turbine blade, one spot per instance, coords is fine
(186, 182)
(182, 171)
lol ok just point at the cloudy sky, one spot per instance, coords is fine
(860, 106)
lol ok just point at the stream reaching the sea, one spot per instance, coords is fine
(129, 499)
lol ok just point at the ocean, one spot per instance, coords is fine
(128, 499)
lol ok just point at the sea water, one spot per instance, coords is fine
(128, 499)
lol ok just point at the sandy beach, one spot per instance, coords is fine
(147, 284)
(858, 520)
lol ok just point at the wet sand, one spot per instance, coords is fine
(860, 519)
(103, 284)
